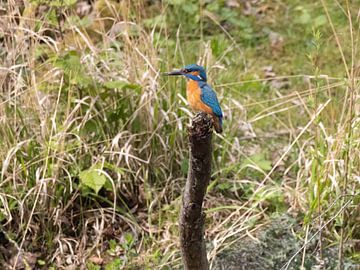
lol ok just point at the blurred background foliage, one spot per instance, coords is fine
(93, 141)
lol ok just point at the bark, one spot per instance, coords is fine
(192, 217)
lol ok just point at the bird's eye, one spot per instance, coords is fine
(187, 70)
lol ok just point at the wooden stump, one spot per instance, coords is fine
(192, 217)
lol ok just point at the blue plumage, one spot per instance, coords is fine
(200, 69)
(208, 101)
(208, 96)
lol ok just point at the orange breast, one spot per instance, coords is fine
(193, 93)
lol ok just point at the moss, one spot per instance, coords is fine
(277, 244)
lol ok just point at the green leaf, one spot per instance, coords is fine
(175, 2)
(115, 84)
(260, 161)
(213, 6)
(91, 266)
(55, 3)
(90, 126)
(129, 238)
(320, 20)
(51, 17)
(115, 264)
(304, 18)
(69, 2)
(155, 21)
(70, 63)
(224, 186)
(79, 22)
(264, 164)
(128, 241)
(112, 244)
(93, 179)
(121, 85)
(190, 8)
(185, 166)
(41, 262)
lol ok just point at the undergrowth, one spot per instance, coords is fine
(93, 141)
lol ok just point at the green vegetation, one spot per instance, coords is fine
(93, 141)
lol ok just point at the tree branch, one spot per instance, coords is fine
(192, 217)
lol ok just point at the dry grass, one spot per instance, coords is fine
(84, 92)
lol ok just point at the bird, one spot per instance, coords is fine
(200, 96)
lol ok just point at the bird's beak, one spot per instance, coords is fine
(173, 73)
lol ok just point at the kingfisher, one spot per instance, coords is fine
(201, 97)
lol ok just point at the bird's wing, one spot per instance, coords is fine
(208, 96)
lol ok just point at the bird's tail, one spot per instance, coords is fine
(217, 124)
